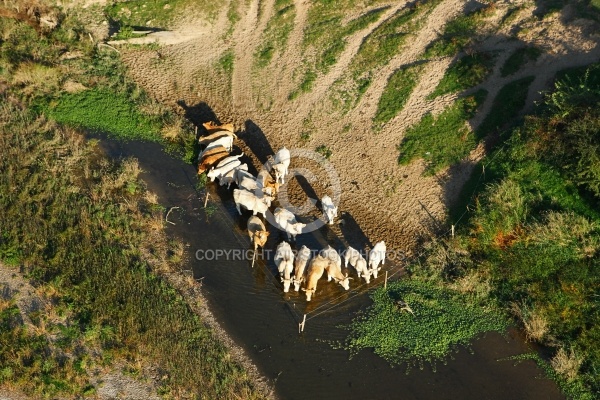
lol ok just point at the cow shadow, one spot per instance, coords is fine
(198, 114)
(308, 190)
(254, 138)
(352, 233)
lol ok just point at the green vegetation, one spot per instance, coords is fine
(277, 32)
(467, 72)
(396, 93)
(414, 321)
(444, 139)
(324, 151)
(459, 34)
(157, 13)
(306, 85)
(86, 232)
(326, 34)
(519, 58)
(226, 62)
(90, 92)
(327, 30)
(89, 243)
(376, 50)
(533, 240)
(103, 111)
(507, 105)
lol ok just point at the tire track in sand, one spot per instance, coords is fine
(306, 102)
(410, 53)
(246, 38)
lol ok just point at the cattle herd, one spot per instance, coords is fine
(255, 193)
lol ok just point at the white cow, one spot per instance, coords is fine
(287, 221)
(225, 141)
(299, 266)
(334, 267)
(281, 163)
(377, 255)
(215, 173)
(249, 201)
(315, 272)
(229, 159)
(239, 175)
(332, 255)
(353, 256)
(334, 272)
(329, 209)
(284, 259)
(227, 179)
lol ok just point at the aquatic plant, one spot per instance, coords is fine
(414, 321)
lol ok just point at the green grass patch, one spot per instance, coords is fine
(396, 93)
(103, 111)
(384, 42)
(444, 139)
(306, 85)
(377, 49)
(468, 71)
(519, 58)
(325, 37)
(158, 13)
(324, 151)
(536, 227)
(458, 34)
(276, 33)
(226, 62)
(507, 105)
(441, 320)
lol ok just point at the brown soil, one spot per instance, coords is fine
(388, 201)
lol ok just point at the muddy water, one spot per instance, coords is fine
(250, 305)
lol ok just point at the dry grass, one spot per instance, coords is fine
(37, 78)
(171, 131)
(535, 324)
(566, 364)
(474, 282)
(151, 197)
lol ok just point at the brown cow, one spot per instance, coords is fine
(315, 272)
(257, 231)
(211, 127)
(210, 152)
(209, 160)
(204, 140)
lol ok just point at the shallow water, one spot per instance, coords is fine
(251, 306)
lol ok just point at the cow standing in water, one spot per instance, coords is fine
(284, 259)
(354, 258)
(315, 272)
(257, 231)
(299, 266)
